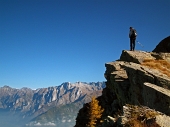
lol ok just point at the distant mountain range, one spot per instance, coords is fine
(56, 105)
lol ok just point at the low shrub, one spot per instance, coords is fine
(141, 117)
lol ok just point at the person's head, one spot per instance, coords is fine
(131, 28)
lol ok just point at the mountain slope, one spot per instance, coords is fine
(28, 104)
(62, 116)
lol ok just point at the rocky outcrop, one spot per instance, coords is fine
(130, 82)
(163, 46)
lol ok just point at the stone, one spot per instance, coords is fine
(163, 46)
(135, 56)
(129, 82)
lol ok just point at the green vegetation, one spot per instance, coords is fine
(62, 116)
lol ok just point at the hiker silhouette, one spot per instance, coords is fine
(132, 36)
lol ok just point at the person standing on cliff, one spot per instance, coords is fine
(132, 36)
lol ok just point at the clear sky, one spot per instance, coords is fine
(47, 42)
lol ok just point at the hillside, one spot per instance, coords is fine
(62, 116)
(137, 92)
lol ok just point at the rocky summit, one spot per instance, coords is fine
(137, 92)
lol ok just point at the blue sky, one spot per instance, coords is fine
(47, 42)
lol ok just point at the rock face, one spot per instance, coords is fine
(163, 46)
(130, 82)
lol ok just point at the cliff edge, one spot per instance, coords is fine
(137, 92)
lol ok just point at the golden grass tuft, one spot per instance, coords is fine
(161, 65)
(141, 117)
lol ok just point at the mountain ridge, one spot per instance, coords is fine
(30, 103)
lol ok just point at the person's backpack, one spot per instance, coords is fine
(134, 33)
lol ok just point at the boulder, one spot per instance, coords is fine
(163, 46)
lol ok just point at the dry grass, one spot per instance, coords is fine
(141, 117)
(161, 65)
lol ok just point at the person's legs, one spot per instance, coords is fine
(131, 42)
